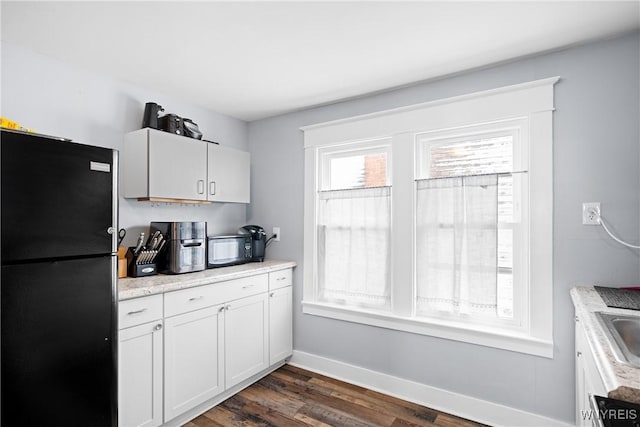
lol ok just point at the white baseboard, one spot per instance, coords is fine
(442, 400)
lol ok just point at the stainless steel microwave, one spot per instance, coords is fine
(228, 250)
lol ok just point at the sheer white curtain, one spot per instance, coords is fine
(456, 245)
(353, 246)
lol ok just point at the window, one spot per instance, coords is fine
(418, 218)
(470, 187)
(353, 226)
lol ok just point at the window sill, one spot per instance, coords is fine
(473, 334)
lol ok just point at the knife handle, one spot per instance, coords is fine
(136, 251)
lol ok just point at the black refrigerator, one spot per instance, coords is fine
(58, 318)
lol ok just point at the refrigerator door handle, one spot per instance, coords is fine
(114, 203)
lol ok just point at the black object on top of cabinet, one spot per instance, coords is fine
(58, 316)
(151, 113)
(258, 241)
(191, 129)
(171, 123)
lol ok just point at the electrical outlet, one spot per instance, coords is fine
(276, 233)
(591, 213)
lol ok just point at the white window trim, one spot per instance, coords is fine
(533, 100)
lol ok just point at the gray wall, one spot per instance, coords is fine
(596, 158)
(56, 99)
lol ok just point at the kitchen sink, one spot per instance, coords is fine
(623, 333)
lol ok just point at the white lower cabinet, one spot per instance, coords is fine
(280, 324)
(246, 338)
(140, 350)
(194, 359)
(205, 341)
(588, 380)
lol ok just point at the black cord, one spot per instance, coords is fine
(269, 240)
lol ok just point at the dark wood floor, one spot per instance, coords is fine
(292, 396)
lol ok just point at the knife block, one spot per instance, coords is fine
(139, 270)
(122, 262)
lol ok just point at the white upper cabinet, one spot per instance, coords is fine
(160, 166)
(177, 167)
(228, 174)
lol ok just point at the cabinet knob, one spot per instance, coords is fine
(271, 294)
(221, 309)
(578, 354)
(157, 327)
(228, 307)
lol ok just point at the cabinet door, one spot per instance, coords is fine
(177, 166)
(246, 338)
(588, 380)
(280, 324)
(140, 375)
(582, 398)
(194, 359)
(228, 174)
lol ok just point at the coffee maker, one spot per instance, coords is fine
(258, 241)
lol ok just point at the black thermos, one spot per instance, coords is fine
(151, 112)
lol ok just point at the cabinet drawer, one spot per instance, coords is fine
(139, 310)
(190, 299)
(280, 279)
(217, 293)
(247, 286)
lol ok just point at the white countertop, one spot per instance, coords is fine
(141, 286)
(620, 379)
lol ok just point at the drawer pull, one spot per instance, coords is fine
(195, 298)
(281, 278)
(248, 286)
(157, 327)
(131, 313)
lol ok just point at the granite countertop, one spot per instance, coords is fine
(142, 286)
(621, 380)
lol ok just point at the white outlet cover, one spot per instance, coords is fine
(588, 218)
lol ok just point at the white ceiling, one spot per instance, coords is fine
(257, 59)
